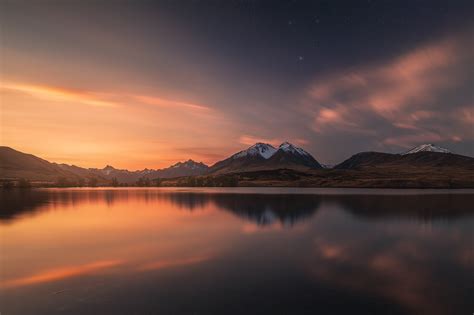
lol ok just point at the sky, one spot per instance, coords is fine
(145, 84)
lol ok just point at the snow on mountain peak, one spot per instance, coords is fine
(288, 147)
(263, 149)
(266, 150)
(428, 147)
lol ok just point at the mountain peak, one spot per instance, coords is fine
(264, 150)
(288, 147)
(191, 164)
(427, 147)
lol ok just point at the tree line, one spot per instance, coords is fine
(190, 181)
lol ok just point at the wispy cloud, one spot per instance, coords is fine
(59, 94)
(151, 100)
(98, 98)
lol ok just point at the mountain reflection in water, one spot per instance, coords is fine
(234, 251)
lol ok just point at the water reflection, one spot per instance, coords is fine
(59, 274)
(263, 209)
(167, 251)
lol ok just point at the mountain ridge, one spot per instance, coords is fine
(261, 165)
(364, 160)
(16, 165)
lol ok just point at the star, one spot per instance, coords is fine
(300, 58)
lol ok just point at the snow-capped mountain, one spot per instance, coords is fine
(289, 148)
(263, 156)
(258, 149)
(429, 147)
(291, 156)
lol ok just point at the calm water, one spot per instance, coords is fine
(236, 251)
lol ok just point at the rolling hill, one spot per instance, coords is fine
(15, 164)
(422, 156)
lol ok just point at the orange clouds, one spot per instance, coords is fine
(332, 116)
(386, 88)
(467, 114)
(412, 77)
(402, 94)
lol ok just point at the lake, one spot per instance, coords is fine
(236, 251)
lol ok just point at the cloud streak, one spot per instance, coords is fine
(97, 98)
(59, 94)
(169, 103)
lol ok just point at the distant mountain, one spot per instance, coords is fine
(417, 159)
(187, 168)
(122, 176)
(80, 171)
(263, 156)
(429, 147)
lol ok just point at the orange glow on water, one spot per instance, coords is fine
(59, 274)
(130, 231)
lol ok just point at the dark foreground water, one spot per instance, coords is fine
(236, 251)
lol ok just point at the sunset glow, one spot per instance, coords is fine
(158, 88)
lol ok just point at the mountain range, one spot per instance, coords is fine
(286, 162)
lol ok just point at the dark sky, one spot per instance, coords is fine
(202, 79)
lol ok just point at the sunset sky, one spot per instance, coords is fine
(140, 84)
